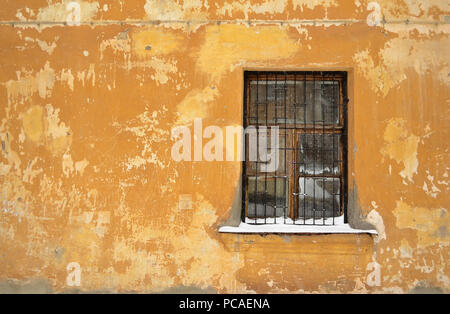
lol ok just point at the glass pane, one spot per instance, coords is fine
(318, 154)
(321, 101)
(267, 197)
(294, 101)
(271, 156)
(319, 197)
(257, 114)
(329, 102)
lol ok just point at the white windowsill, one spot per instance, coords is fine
(339, 227)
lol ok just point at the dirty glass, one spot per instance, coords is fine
(294, 102)
(267, 197)
(318, 197)
(318, 154)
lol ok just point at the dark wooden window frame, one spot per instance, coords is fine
(291, 131)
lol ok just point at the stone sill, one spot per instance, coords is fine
(339, 227)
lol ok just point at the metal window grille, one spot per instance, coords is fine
(309, 186)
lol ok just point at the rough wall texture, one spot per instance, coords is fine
(89, 92)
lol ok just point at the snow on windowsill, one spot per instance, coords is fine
(281, 225)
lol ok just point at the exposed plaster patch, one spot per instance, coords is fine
(442, 273)
(119, 44)
(303, 31)
(198, 259)
(195, 105)
(84, 76)
(25, 11)
(266, 6)
(423, 55)
(66, 76)
(21, 91)
(67, 164)
(427, 223)
(80, 166)
(23, 88)
(69, 167)
(57, 134)
(147, 131)
(238, 44)
(33, 123)
(45, 128)
(425, 268)
(412, 9)
(4, 169)
(401, 146)
(376, 220)
(141, 162)
(65, 12)
(102, 223)
(406, 251)
(378, 75)
(136, 54)
(312, 4)
(162, 68)
(45, 46)
(433, 190)
(58, 12)
(82, 242)
(271, 7)
(400, 54)
(29, 173)
(14, 161)
(405, 30)
(162, 10)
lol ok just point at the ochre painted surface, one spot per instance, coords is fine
(86, 111)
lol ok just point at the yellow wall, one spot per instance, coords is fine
(86, 173)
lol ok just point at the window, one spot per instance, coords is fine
(305, 113)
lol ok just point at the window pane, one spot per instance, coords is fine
(329, 102)
(318, 197)
(294, 102)
(321, 101)
(257, 114)
(267, 101)
(267, 197)
(318, 154)
(271, 156)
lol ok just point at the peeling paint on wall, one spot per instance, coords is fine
(43, 127)
(402, 147)
(90, 91)
(60, 11)
(430, 224)
(227, 47)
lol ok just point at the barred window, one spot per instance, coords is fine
(308, 184)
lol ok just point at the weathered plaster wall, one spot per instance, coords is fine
(90, 92)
